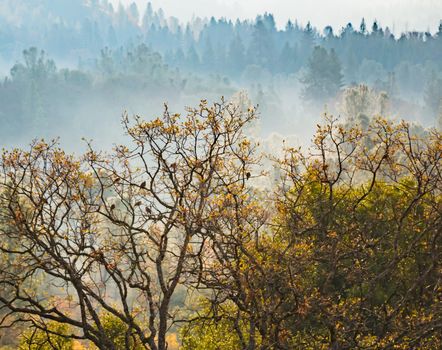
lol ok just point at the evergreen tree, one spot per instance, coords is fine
(192, 58)
(261, 48)
(375, 27)
(236, 55)
(134, 14)
(288, 60)
(289, 26)
(220, 58)
(208, 56)
(363, 27)
(328, 32)
(323, 78)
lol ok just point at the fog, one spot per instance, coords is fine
(399, 15)
(70, 69)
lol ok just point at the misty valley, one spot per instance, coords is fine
(217, 183)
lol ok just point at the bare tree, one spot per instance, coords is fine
(118, 234)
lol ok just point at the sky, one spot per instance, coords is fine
(399, 15)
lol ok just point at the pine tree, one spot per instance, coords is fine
(236, 55)
(192, 58)
(208, 56)
(261, 50)
(328, 32)
(363, 27)
(323, 78)
(134, 14)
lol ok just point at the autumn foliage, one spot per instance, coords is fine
(179, 232)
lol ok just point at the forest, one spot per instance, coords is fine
(217, 184)
(62, 63)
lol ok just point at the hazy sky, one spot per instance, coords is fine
(398, 14)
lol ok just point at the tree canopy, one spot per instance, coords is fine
(176, 233)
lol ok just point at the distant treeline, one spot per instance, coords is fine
(119, 56)
(40, 99)
(79, 30)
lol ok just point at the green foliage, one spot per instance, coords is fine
(55, 336)
(210, 332)
(117, 332)
(354, 260)
(210, 335)
(323, 78)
